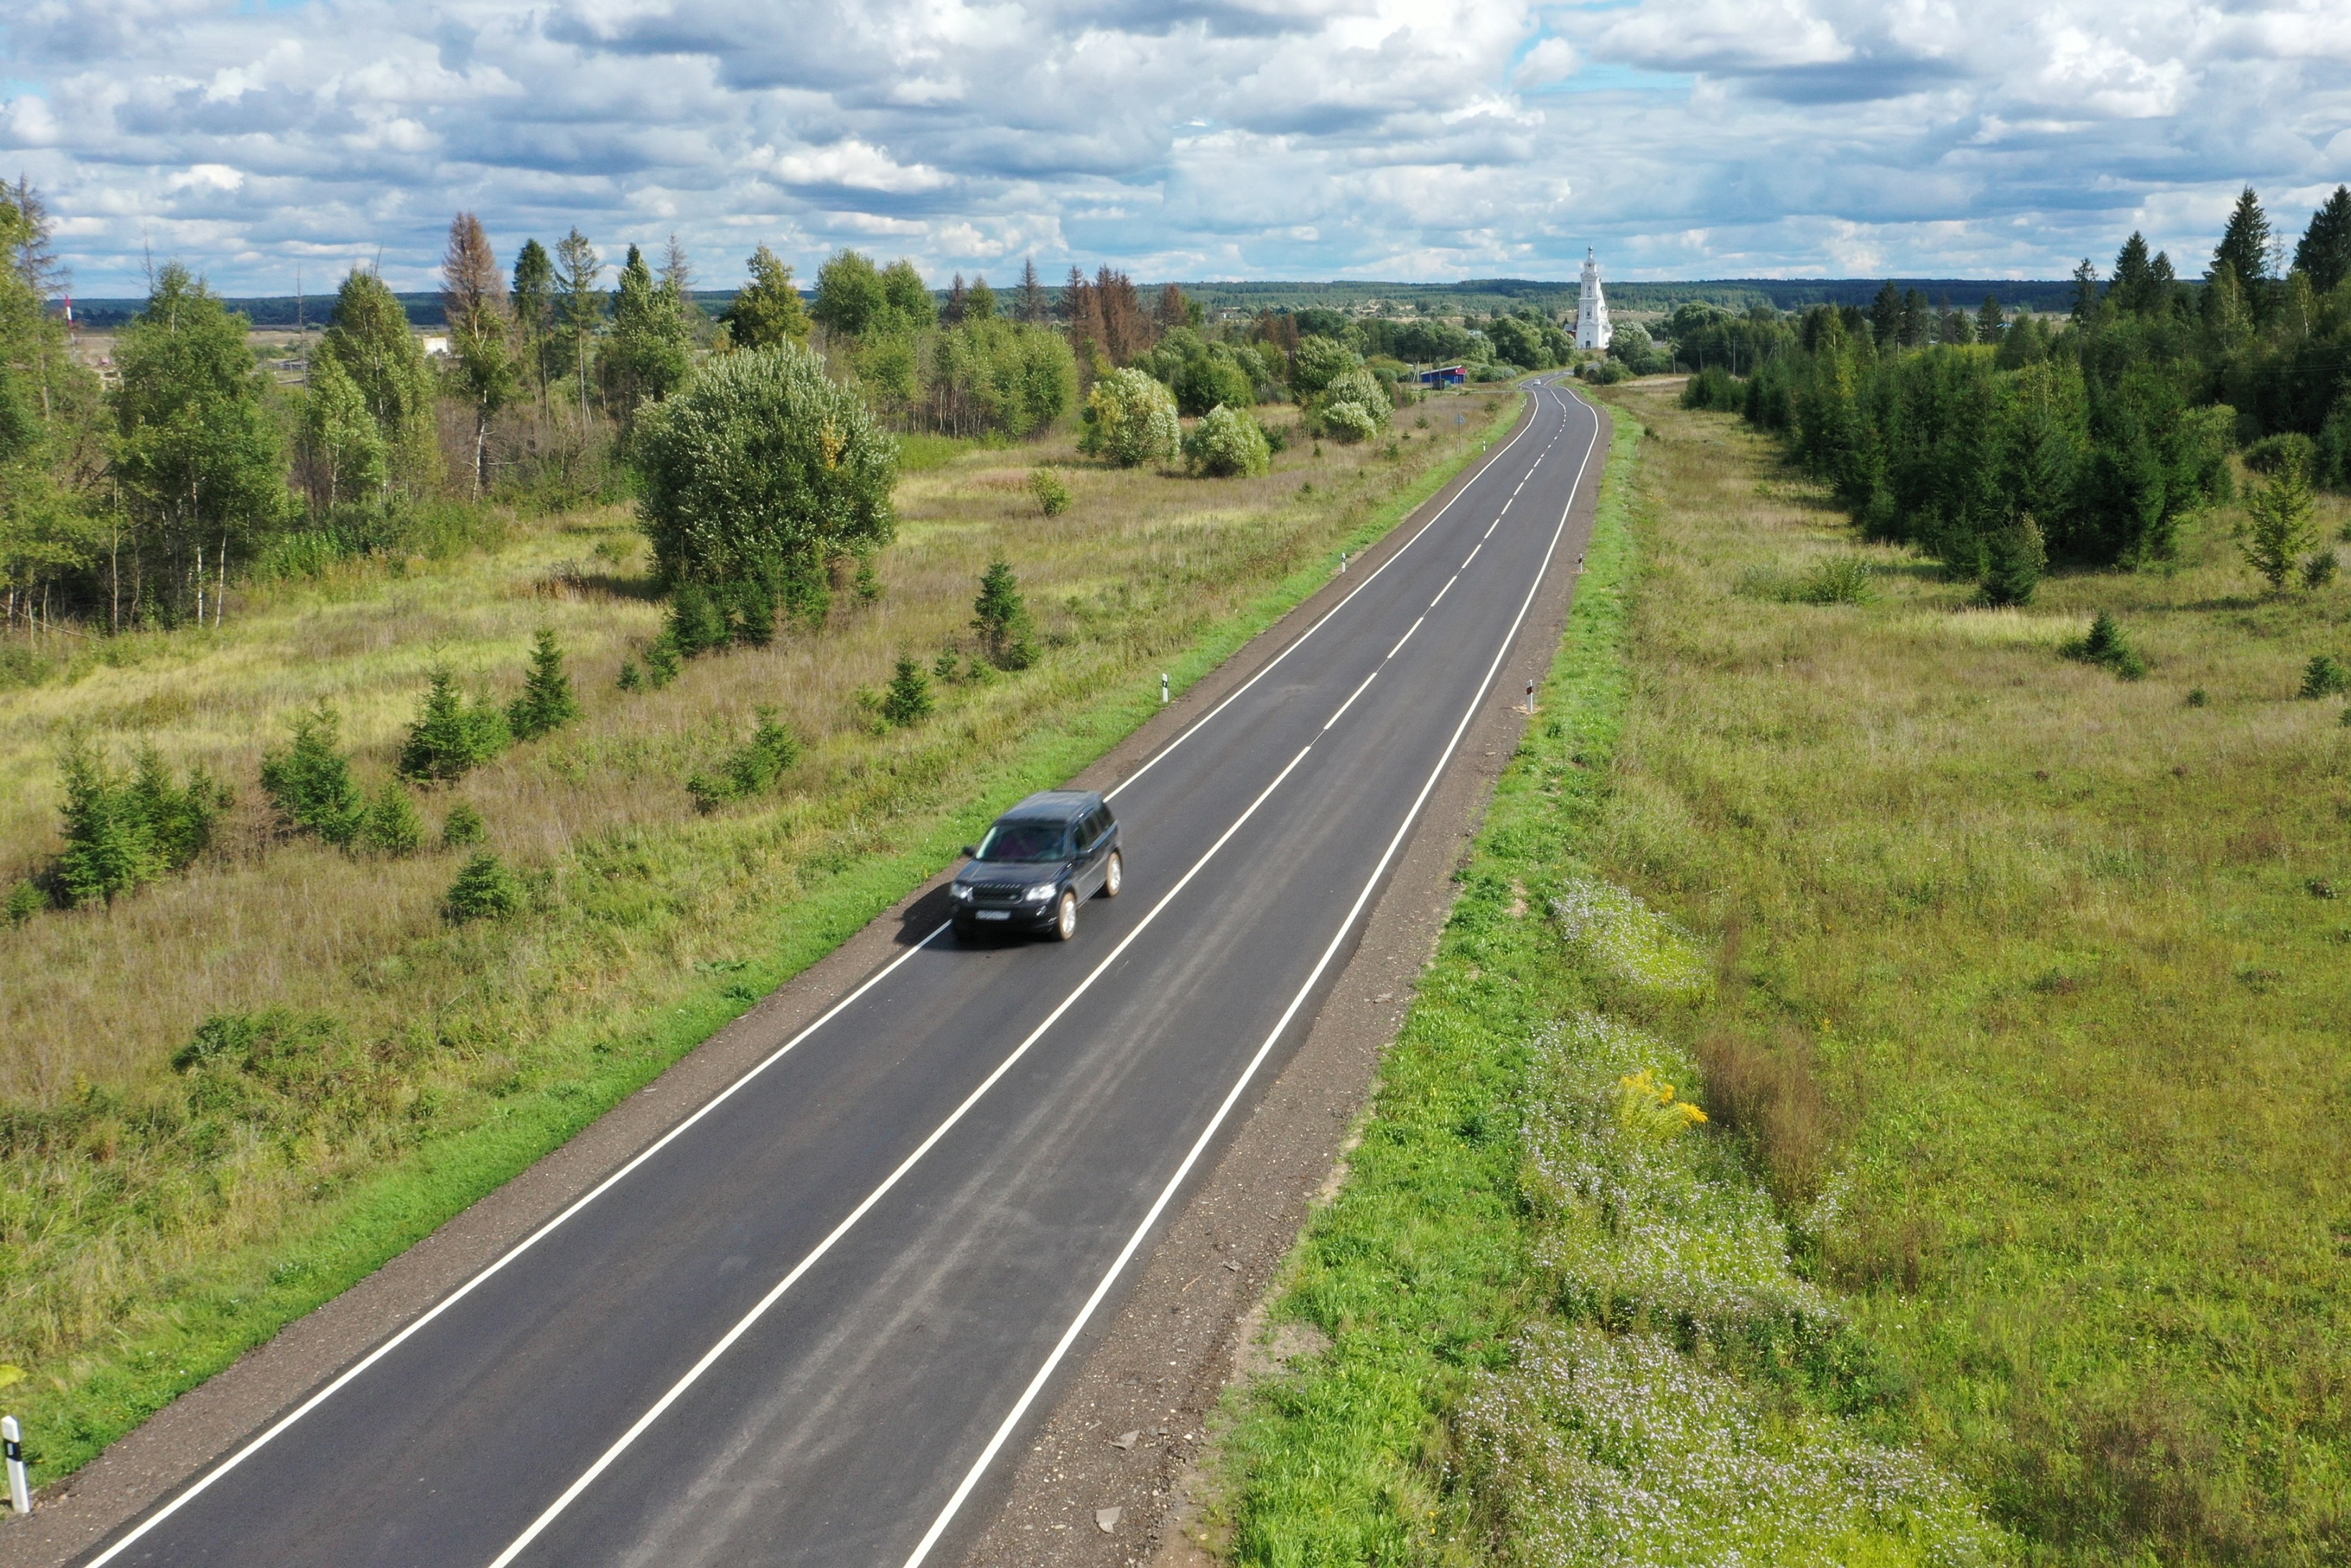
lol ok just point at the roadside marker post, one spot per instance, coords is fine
(1342, 561)
(1530, 698)
(12, 1443)
(1163, 690)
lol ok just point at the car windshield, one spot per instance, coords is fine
(1029, 840)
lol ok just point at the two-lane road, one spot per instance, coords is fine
(802, 1327)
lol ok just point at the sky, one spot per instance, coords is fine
(1406, 140)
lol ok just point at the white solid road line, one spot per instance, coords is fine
(525, 1245)
(1199, 1145)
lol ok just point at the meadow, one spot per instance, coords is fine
(164, 1210)
(2030, 1000)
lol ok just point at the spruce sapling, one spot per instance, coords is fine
(546, 703)
(485, 890)
(394, 826)
(310, 781)
(908, 700)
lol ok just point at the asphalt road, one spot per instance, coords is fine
(803, 1327)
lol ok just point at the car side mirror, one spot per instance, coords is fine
(971, 851)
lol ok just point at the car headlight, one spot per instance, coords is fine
(959, 890)
(1040, 893)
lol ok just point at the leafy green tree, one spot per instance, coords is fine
(342, 446)
(546, 703)
(1364, 401)
(451, 737)
(1000, 616)
(1227, 443)
(912, 306)
(2278, 523)
(580, 302)
(908, 699)
(850, 298)
(1052, 491)
(196, 454)
(767, 313)
(1129, 419)
(369, 340)
(2325, 251)
(980, 305)
(485, 890)
(473, 304)
(310, 781)
(1319, 362)
(763, 467)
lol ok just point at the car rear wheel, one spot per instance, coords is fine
(1113, 876)
(1065, 917)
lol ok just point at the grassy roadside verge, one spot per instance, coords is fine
(1563, 1324)
(782, 887)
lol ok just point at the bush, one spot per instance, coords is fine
(762, 467)
(2292, 452)
(546, 703)
(1227, 443)
(1052, 494)
(2105, 644)
(24, 901)
(751, 769)
(485, 890)
(1715, 388)
(1001, 619)
(1129, 419)
(462, 826)
(310, 781)
(1359, 391)
(1319, 362)
(1212, 380)
(451, 737)
(392, 826)
(695, 623)
(1349, 422)
(908, 700)
(2325, 676)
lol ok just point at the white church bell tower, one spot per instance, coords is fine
(1592, 329)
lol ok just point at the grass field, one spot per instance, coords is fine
(2015, 995)
(154, 1224)
(2032, 994)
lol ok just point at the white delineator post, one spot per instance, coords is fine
(12, 1442)
(1530, 696)
(1162, 691)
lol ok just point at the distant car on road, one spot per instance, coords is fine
(1042, 859)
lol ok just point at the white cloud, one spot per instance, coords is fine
(1265, 137)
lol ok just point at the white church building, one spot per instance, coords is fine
(1592, 329)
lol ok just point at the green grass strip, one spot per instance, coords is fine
(243, 1300)
(1417, 1271)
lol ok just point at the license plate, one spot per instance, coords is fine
(992, 914)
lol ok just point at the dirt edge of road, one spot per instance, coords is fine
(210, 1422)
(1129, 1430)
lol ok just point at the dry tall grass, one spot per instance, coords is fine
(2033, 992)
(129, 1186)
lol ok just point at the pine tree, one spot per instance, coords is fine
(533, 300)
(766, 312)
(179, 819)
(953, 314)
(109, 850)
(1914, 319)
(2014, 559)
(2133, 276)
(908, 700)
(1031, 302)
(2245, 247)
(1001, 619)
(2085, 293)
(695, 625)
(2279, 527)
(651, 349)
(1991, 320)
(546, 703)
(580, 301)
(392, 826)
(450, 736)
(310, 781)
(1885, 316)
(2325, 253)
(485, 890)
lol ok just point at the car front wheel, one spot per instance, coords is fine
(1113, 876)
(1065, 917)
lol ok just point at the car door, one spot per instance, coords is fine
(1094, 850)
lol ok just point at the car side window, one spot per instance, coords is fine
(1090, 831)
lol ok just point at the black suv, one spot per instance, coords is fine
(1041, 857)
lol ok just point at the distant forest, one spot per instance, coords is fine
(1482, 296)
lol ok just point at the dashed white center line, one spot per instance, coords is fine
(1445, 589)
